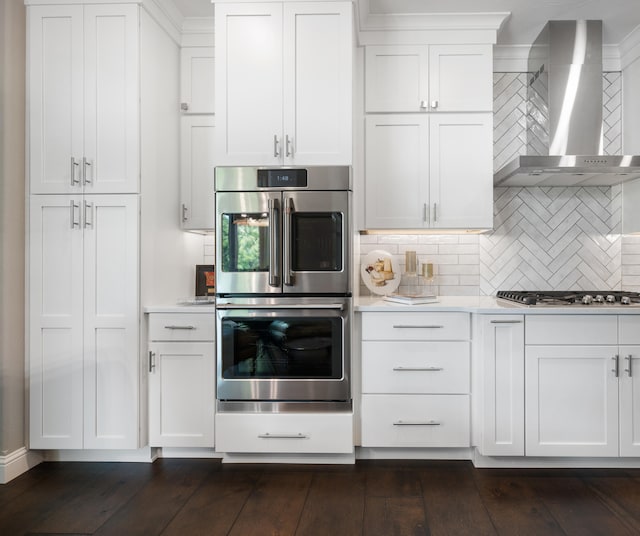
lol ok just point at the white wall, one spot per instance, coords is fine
(12, 205)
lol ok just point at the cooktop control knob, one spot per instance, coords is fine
(587, 299)
(611, 298)
(625, 300)
(599, 298)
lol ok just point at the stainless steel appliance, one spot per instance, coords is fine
(282, 231)
(573, 298)
(283, 291)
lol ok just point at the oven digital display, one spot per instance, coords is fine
(282, 178)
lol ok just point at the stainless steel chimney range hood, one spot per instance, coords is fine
(564, 114)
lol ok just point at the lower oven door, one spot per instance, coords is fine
(283, 349)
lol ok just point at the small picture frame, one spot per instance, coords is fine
(205, 280)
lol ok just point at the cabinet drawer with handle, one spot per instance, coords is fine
(416, 326)
(182, 326)
(415, 421)
(415, 367)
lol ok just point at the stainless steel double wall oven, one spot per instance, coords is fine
(283, 286)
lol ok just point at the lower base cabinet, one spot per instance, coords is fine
(288, 433)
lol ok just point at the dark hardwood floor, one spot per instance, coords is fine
(203, 497)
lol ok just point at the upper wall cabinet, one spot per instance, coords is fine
(283, 83)
(83, 98)
(196, 80)
(429, 78)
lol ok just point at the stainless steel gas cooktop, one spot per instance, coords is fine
(599, 298)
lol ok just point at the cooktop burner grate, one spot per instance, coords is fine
(571, 297)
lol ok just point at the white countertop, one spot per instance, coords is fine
(486, 305)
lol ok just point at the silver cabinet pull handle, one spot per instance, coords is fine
(152, 361)
(435, 213)
(286, 242)
(506, 321)
(408, 326)
(185, 210)
(268, 435)
(615, 368)
(184, 106)
(274, 263)
(628, 359)
(74, 166)
(423, 105)
(88, 210)
(85, 175)
(179, 327)
(412, 369)
(73, 206)
(425, 213)
(288, 146)
(434, 104)
(276, 149)
(417, 423)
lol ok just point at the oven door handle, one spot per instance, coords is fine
(286, 253)
(274, 262)
(337, 306)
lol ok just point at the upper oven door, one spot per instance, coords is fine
(316, 242)
(248, 238)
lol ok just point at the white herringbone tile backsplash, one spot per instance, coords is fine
(543, 238)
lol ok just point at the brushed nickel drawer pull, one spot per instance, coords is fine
(506, 321)
(409, 369)
(628, 358)
(179, 327)
(417, 423)
(407, 326)
(299, 435)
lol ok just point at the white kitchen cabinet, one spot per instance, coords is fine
(283, 96)
(197, 165)
(83, 73)
(415, 379)
(197, 88)
(429, 171)
(181, 379)
(501, 397)
(629, 355)
(83, 325)
(429, 78)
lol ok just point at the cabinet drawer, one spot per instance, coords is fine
(327, 433)
(182, 326)
(629, 326)
(415, 421)
(415, 367)
(571, 329)
(415, 326)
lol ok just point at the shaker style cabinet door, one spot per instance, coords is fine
(196, 80)
(83, 98)
(629, 368)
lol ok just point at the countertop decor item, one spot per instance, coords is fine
(378, 273)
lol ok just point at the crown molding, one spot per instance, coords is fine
(515, 58)
(197, 32)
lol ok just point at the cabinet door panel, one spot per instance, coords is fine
(181, 395)
(197, 165)
(571, 401)
(111, 320)
(396, 78)
(460, 171)
(249, 90)
(461, 78)
(55, 326)
(111, 112)
(317, 83)
(55, 97)
(630, 401)
(397, 171)
(197, 79)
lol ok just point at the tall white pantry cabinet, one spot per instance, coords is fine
(85, 89)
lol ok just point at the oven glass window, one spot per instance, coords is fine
(282, 347)
(245, 242)
(316, 242)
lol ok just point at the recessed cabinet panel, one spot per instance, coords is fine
(629, 400)
(197, 80)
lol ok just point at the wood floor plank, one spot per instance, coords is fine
(154, 506)
(392, 481)
(576, 508)
(621, 495)
(274, 506)
(101, 498)
(398, 516)
(514, 506)
(215, 505)
(452, 502)
(334, 505)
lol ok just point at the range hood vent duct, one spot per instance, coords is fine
(564, 114)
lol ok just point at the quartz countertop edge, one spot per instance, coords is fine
(484, 305)
(187, 308)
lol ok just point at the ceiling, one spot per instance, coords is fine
(527, 18)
